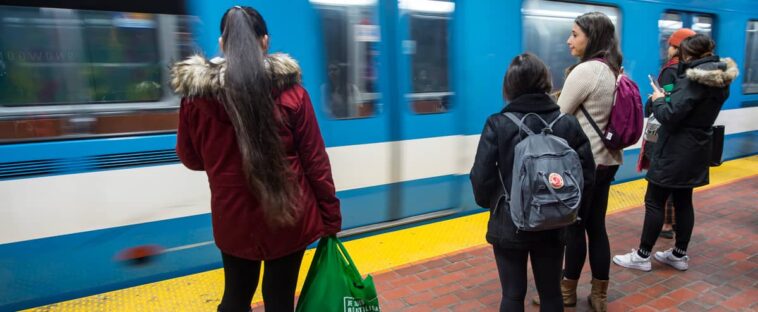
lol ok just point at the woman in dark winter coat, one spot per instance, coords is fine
(681, 154)
(246, 121)
(525, 86)
(666, 80)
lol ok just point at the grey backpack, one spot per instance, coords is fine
(546, 189)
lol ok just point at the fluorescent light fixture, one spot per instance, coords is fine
(428, 6)
(345, 2)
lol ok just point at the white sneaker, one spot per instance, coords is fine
(668, 257)
(633, 261)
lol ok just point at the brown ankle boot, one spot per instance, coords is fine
(598, 298)
(568, 289)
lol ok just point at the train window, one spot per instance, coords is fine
(672, 21)
(63, 56)
(750, 80)
(547, 25)
(429, 51)
(667, 25)
(350, 38)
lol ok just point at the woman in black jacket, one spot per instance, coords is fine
(681, 154)
(525, 86)
(666, 80)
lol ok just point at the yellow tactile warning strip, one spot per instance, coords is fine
(202, 292)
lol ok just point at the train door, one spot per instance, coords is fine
(386, 108)
(352, 106)
(428, 121)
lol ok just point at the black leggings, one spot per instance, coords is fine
(669, 214)
(594, 225)
(546, 267)
(684, 214)
(279, 281)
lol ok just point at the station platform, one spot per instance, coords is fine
(448, 266)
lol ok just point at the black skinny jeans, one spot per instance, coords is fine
(279, 281)
(594, 225)
(684, 215)
(546, 267)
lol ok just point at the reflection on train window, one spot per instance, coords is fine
(428, 46)
(672, 21)
(667, 25)
(63, 56)
(350, 39)
(547, 25)
(750, 80)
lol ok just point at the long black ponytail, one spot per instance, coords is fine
(250, 106)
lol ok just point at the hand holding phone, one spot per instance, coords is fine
(657, 90)
(654, 83)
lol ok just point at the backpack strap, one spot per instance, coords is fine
(522, 125)
(535, 115)
(550, 126)
(519, 123)
(592, 122)
(505, 192)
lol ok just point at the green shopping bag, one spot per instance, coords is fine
(333, 283)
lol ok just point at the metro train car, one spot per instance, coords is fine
(90, 184)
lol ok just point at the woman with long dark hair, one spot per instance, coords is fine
(248, 123)
(682, 153)
(666, 80)
(525, 87)
(588, 94)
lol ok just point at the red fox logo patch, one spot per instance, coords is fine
(556, 181)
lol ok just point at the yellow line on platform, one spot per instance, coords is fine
(378, 253)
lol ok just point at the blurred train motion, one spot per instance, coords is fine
(88, 172)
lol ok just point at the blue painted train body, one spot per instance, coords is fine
(72, 203)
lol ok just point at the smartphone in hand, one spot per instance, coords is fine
(654, 82)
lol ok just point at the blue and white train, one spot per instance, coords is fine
(402, 88)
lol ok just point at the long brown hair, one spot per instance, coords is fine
(602, 41)
(250, 106)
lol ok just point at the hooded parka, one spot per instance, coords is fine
(206, 141)
(682, 153)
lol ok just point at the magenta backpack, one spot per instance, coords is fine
(625, 124)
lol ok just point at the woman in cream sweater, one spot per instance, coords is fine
(588, 92)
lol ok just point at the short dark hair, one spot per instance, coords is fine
(526, 74)
(696, 47)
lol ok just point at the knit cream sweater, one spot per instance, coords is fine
(591, 84)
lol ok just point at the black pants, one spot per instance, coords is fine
(684, 215)
(546, 267)
(669, 212)
(594, 225)
(279, 281)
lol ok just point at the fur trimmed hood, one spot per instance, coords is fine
(713, 72)
(197, 76)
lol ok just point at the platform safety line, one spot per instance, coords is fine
(374, 254)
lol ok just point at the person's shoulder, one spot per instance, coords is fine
(293, 97)
(588, 70)
(568, 125)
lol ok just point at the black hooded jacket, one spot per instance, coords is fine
(496, 151)
(682, 153)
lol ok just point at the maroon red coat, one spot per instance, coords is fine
(206, 141)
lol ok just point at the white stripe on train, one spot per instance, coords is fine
(58, 205)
